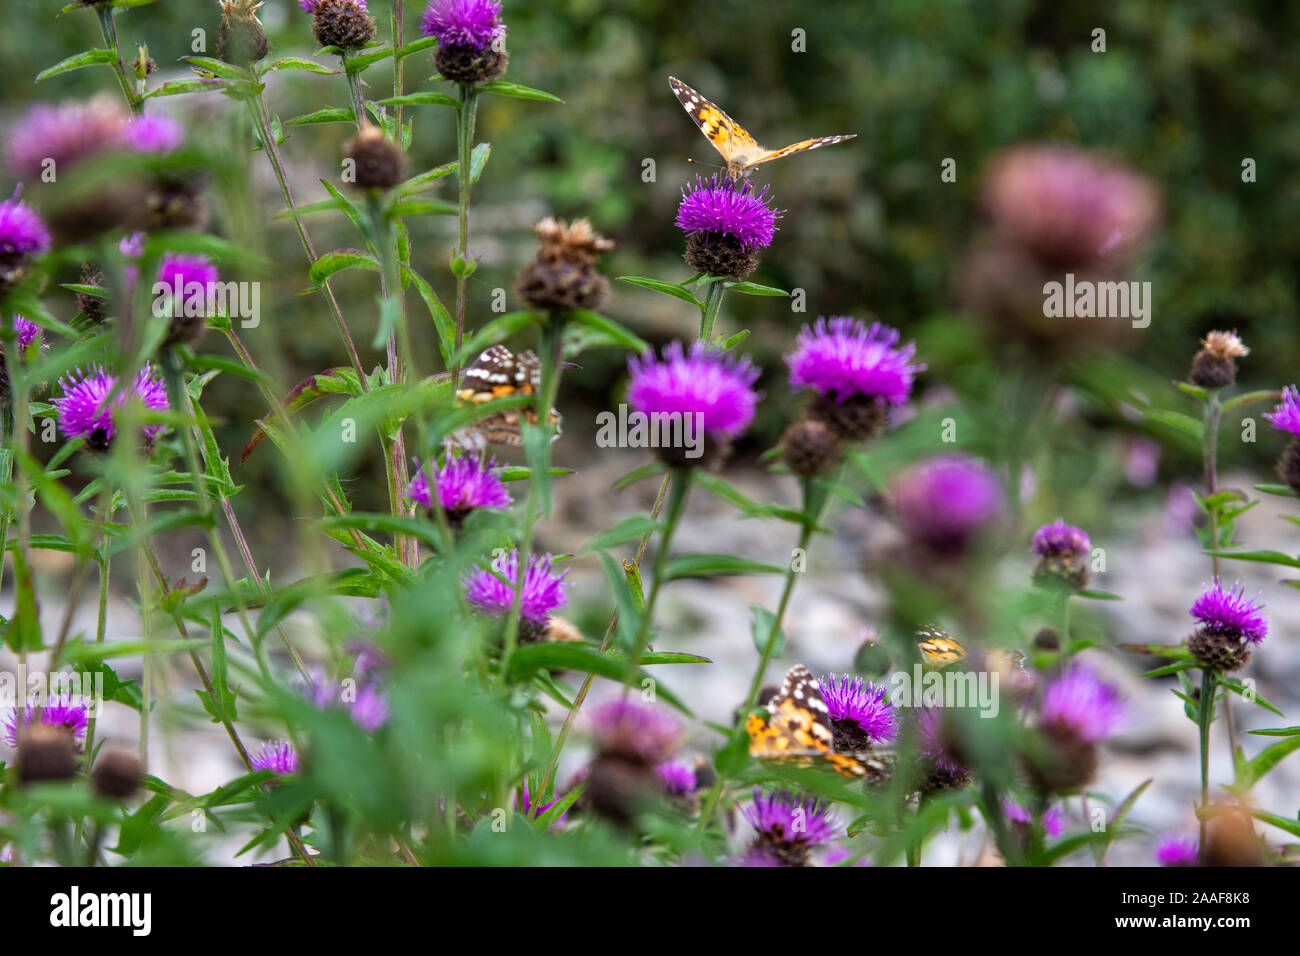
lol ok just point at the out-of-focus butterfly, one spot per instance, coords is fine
(499, 373)
(740, 150)
(939, 649)
(797, 730)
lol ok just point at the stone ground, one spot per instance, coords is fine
(1157, 572)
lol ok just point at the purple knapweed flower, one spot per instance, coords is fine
(843, 357)
(738, 210)
(1081, 705)
(1286, 416)
(788, 827)
(22, 233)
(543, 588)
(462, 484)
(854, 701)
(278, 756)
(26, 332)
(154, 135)
(62, 711)
(84, 411)
(190, 280)
(66, 134)
(1060, 540)
(945, 501)
(678, 778)
(524, 806)
(364, 703)
(637, 731)
(929, 733)
(1052, 820)
(1177, 850)
(1230, 613)
(471, 23)
(716, 388)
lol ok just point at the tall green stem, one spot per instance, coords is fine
(709, 314)
(1204, 714)
(678, 488)
(464, 151)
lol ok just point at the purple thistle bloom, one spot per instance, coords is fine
(84, 411)
(365, 704)
(853, 699)
(785, 819)
(26, 332)
(155, 135)
(1176, 850)
(944, 501)
(1082, 704)
(631, 729)
(1059, 539)
(67, 134)
(731, 209)
(21, 231)
(193, 276)
(472, 23)
(845, 357)
(679, 778)
(1286, 416)
(929, 731)
(1230, 612)
(715, 387)
(463, 483)
(524, 805)
(60, 711)
(1053, 820)
(277, 756)
(543, 588)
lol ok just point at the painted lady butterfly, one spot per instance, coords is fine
(797, 730)
(939, 649)
(740, 150)
(499, 373)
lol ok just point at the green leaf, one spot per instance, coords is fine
(753, 288)
(667, 288)
(1282, 823)
(113, 687)
(442, 320)
(629, 529)
(333, 114)
(478, 158)
(298, 63)
(1250, 398)
(356, 62)
(1173, 668)
(763, 626)
(1179, 422)
(179, 87)
(1282, 490)
(709, 565)
(216, 67)
(1094, 595)
(1277, 732)
(77, 61)
(1263, 557)
(1248, 694)
(550, 655)
(420, 99)
(338, 260)
(504, 88)
(498, 330)
(416, 46)
(616, 333)
(1252, 771)
(78, 651)
(1198, 393)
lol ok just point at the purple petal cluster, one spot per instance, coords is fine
(154, 135)
(678, 778)
(543, 588)
(1228, 611)
(630, 728)
(364, 703)
(944, 501)
(1286, 416)
(21, 231)
(1059, 539)
(1082, 704)
(1053, 820)
(26, 332)
(463, 483)
(1176, 850)
(472, 23)
(845, 357)
(929, 732)
(278, 756)
(60, 711)
(194, 275)
(852, 698)
(784, 818)
(716, 387)
(732, 209)
(67, 134)
(84, 410)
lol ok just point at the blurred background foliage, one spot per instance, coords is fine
(1183, 92)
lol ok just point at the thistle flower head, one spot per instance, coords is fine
(155, 135)
(463, 483)
(635, 731)
(84, 411)
(1229, 612)
(709, 384)
(930, 742)
(26, 332)
(738, 210)
(845, 357)
(1061, 540)
(577, 242)
(1285, 417)
(1079, 704)
(543, 588)
(1177, 850)
(60, 712)
(364, 703)
(853, 700)
(278, 756)
(945, 501)
(1224, 345)
(679, 778)
(193, 274)
(787, 827)
(21, 231)
(1053, 820)
(66, 134)
(471, 23)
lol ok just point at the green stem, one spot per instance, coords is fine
(677, 492)
(464, 150)
(709, 313)
(108, 30)
(1204, 714)
(1210, 455)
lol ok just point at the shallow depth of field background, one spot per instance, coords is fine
(1184, 92)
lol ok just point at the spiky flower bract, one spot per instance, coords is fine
(843, 358)
(1081, 705)
(1285, 416)
(61, 712)
(494, 593)
(1230, 612)
(84, 411)
(278, 756)
(21, 231)
(738, 210)
(462, 484)
(711, 385)
(472, 23)
(862, 713)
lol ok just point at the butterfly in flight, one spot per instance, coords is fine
(797, 730)
(939, 649)
(740, 150)
(499, 373)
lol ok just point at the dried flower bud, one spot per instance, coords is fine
(379, 162)
(1214, 366)
(810, 449)
(46, 753)
(117, 774)
(343, 23)
(242, 40)
(564, 275)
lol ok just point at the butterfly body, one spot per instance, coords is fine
(741, 152)
(798, 731)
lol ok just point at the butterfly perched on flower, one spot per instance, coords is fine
(798, 730)
(740, 150)
(499, 373)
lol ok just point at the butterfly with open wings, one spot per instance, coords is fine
(499, 373)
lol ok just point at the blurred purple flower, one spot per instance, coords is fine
(21, 231)
(65, 134)
(61, 711)
(543, 588)
(1082, 705)
(463, 483)
(784, 820)
(156, 135)
(1286, 416)
(1176, 850)
(717, 387)
(278, 756)
(678, 778)
(844, 358)
(945, 501)
(193, 276)
(1053, 820)
(1059, 539)
(472, 23)
(639, 731)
